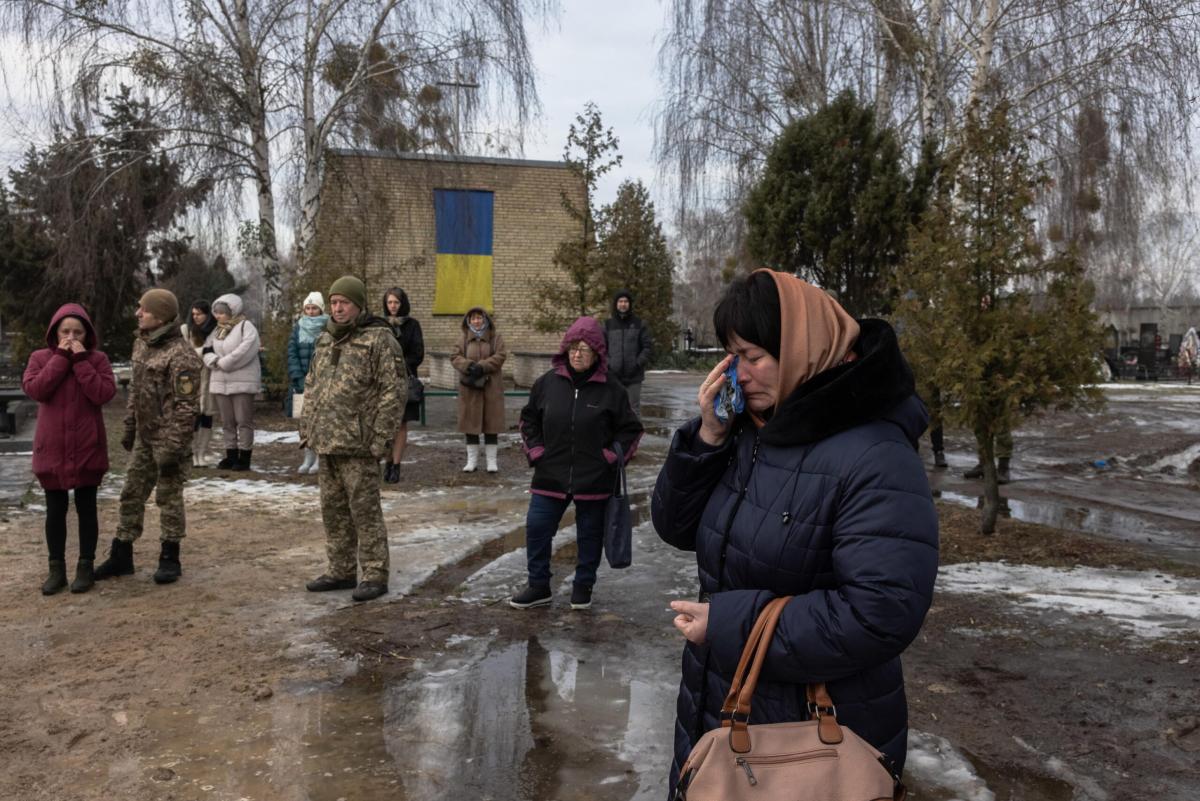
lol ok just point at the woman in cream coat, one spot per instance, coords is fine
(232, 356)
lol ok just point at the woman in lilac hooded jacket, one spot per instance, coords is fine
(574, 417)
(71, 380)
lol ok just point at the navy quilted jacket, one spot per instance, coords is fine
(827, 502)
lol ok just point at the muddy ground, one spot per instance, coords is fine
(234, 683)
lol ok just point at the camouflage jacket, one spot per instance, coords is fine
(355, 391)
(164, 394)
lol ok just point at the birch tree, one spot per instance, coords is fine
(254, 91)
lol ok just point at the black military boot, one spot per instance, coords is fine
(1002, 474)
(118, 563)
(57, 580)
(231, 459)
(83, 576)
(169, 569)
(243, 460)
(975, 472)
(939, 460)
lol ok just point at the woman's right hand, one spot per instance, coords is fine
(712, 431)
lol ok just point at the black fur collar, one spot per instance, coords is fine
(847, 395)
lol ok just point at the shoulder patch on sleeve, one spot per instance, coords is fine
(185, 383)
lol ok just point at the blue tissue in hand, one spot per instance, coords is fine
(729, 401)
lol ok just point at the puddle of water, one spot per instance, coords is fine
(1102, 521)
(541, 719)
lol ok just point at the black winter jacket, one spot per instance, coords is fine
(628, 342)
(568, 433)
(828, 502)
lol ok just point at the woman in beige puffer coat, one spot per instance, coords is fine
(232, 356)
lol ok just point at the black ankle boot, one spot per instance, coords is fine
(169, 569)
(83, 576)
(243, 461)
(57, 580)
(118, 563)
(231, 459)
(939, 460)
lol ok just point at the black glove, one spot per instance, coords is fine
(475, 370)
(208, 349)
(128, 439)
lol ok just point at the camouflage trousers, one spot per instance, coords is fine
(353, 517)
(141, 479)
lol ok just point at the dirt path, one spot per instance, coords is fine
(237, 684)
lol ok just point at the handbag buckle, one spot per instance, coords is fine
(815, 710)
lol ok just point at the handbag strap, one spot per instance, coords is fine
(621, 489)
(735, 712)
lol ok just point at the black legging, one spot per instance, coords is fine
(56, 522)
(488, 439)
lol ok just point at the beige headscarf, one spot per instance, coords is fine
(815, 334)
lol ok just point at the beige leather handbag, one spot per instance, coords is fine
(814, 760)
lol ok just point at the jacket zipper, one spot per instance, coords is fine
(733, 513)
(780, 759)
(571, 467)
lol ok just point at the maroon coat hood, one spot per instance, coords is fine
(91, 340)
(589, 330)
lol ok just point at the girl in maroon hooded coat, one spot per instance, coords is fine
(71, 381)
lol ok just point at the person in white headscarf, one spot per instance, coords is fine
(301, 346)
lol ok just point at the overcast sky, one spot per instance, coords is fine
(606, 53)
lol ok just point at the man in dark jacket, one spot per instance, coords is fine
(570, 430)
(628, 347)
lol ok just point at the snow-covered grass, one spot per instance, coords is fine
(1177, 461)
(276, 437)
(1150, 605)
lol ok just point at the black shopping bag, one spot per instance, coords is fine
(618, 520)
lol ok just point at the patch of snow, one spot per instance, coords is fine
(1177, 461)
(1148, 604)
(273, 437)
(935, 764)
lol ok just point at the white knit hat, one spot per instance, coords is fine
(315, 299)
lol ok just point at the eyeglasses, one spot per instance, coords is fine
(581, 349)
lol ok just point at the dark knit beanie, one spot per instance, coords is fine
(351, 289)
(162, 303)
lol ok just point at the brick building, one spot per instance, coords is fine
(453, 232)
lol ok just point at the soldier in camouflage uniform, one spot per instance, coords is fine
(355, 392)
(160, 411)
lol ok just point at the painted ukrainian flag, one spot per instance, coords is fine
(464, 250)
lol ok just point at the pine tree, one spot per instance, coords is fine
(833, 205)
(1001, 327)
(632, 254)
(590, 152)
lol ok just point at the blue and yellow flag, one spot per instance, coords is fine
(464, 250)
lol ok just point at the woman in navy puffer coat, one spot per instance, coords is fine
(816, 491)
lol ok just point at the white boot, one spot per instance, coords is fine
(200, 442)
(492, 467)
(316, 465)
(310, 456)
(472, 457)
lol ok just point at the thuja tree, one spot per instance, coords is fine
(633, 254)
(832, 205)
(1001, 326)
